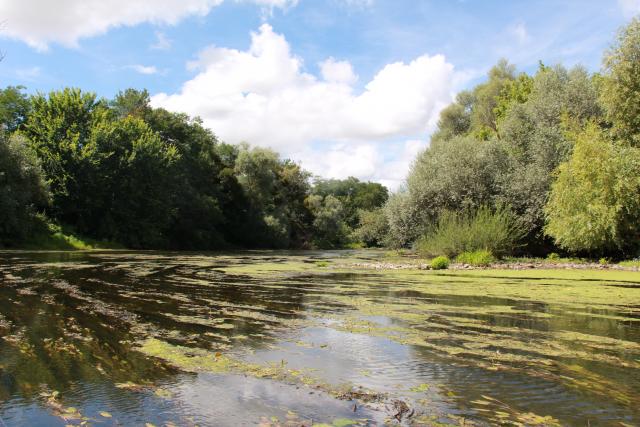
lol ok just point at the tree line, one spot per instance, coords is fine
(554, 155)
(121, 171)
(518, 164)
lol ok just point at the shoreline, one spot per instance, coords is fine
(495, 266)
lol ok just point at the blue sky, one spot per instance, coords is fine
(346, 87)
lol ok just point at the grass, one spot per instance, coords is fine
(481, 258)
(630, 263)
(456, 232)
(59, 238)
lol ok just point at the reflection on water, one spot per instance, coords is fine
(303, 345)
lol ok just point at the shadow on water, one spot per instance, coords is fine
(300, 345)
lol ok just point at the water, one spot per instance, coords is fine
(272, 338)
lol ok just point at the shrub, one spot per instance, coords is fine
(440, 263)
(553, 256)
(481, 258)
(483, 229)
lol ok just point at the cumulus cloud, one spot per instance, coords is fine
(39, 23)
(265, 97)
(337, 71)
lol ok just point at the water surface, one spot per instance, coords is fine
(303, 338)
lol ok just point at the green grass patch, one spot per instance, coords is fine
(456, 232)
(440, 263)
(58, 238)
(481, 258)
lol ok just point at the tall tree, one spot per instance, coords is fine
(621, 84)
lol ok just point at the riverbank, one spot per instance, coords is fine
(504, 265)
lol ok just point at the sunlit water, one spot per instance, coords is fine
(71, 325)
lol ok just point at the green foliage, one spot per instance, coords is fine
(276, 190)
(534, 139)
(405, 219)
(23, 190)
(514, 92)
(129, 184)
(553, 256)
(484, 121)
(451, 175)
(593, 205)
(621, 84)
(49, 236)
(14, 108)
(58, 129)
(478, 258)
(497, 231)
(373, 229)
(439, 263)
(329, 227)
(506, 157)
(354, 195)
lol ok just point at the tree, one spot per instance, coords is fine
(456, 174)
(621, 84)
(593, 206)
(533, 133)
(14, 108)
(199, 192)
(276, 190)
(329, 228)
(405, 218)
(373, 228)
(127, 197)
(58, 129)
(354, 195)
(484, 122)
(23, 191)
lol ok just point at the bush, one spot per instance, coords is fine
(483, 229)
(553, 256)
(440, 263)
(481, 258)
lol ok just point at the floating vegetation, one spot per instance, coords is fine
(314, 337)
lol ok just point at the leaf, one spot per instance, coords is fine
(105, 414)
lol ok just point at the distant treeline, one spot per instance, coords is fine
(121, 171)
(555, 156)
(520, 163)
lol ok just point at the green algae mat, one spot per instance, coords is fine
(311, 339)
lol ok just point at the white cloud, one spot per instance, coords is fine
(630, 8)
(144, 69)
(162, 42)
(265, 97)
(39, 23)
(337, 71)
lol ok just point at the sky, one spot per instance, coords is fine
(344, 87)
